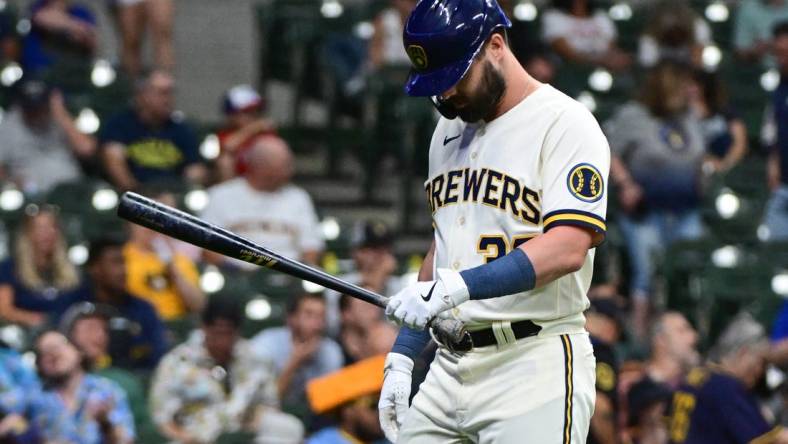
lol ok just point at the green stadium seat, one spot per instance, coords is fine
(776, 252)
(629, 31)
(81, 220)
(746, 182)
(236, 438)
(726, 291)
(277, 317)
(273, 284)
(180, 329)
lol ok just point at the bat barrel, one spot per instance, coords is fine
(183, 226)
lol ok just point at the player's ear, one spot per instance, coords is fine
(496, 45)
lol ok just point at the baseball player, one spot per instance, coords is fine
(517, 187)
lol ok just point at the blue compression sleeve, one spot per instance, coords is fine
(513, 273)
(410, 342)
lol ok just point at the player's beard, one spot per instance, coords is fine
(484, 103)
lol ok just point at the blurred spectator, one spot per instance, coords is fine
(715, 404)
(373, 257)
(581, 33)
(133, 17)
(37, 281)
(539, 64)
(385, 48)
(365, 332)
(10, 47)
(40, 145)
(76, 406)
(61, 30)
(243, 108)
(603, 322)
(87, 326)
(724, 132)
(300, 351)
(265, 207)
(147, 143)
(673, 345)
(673, 349)
(674, 33)
(107, 285)
(350, 395)
(19, 388)
(374, 269)
(18, 382)
(755, 21)
(647, 402)
(658, 149)
(158, 273)
(776, 218)
(779, 337)
(213, 383)
(3, 241)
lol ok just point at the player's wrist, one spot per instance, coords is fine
(511, 274)
(398, 362)
(409, 343)
(454, 287)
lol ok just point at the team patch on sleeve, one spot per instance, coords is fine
(585, 183)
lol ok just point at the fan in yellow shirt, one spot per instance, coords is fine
(157, 273)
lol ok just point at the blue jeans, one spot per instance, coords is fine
(776, 218)
(648, 237)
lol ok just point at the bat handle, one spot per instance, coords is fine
(452, 334)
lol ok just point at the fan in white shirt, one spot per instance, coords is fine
(264, 207)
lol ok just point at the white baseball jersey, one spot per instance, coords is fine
(493, 186)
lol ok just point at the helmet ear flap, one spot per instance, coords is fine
(446, 109)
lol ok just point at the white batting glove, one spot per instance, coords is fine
(394, 395)
(417, 304)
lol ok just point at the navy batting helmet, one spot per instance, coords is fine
(442, 37)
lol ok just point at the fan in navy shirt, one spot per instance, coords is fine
(61, 31)
(715, 405)
(776, 218)
(145, 143)
(107, 270)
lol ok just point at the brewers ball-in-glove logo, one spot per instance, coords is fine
(417, 56)
(585, 183)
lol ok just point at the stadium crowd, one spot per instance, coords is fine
(130, 343)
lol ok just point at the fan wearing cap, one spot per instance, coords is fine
(244, 123)
(517, 190)
(42, 146)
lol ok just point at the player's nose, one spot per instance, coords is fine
(448, 94)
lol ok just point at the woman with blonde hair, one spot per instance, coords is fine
(38, 280)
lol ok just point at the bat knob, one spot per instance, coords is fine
(452, 335)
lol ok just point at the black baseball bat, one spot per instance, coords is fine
(183, 226)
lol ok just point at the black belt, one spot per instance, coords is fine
(486, 337)
(521, 329)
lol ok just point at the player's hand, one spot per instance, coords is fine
(630, 195)
(394, 395)
(417, 304)
(304, 350)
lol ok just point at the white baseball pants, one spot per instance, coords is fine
(537, 390)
